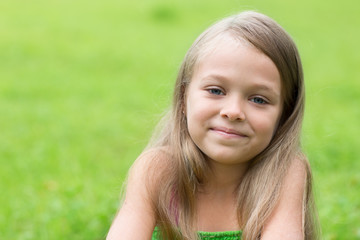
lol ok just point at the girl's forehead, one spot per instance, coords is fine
(216, 43)
(212, 44)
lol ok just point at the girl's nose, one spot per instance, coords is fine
(233, 111)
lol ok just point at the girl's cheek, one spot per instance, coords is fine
(265, 124)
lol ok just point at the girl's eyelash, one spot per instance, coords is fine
(256, 99)
(216, 91)
(259, 100)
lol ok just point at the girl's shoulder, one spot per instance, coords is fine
(153, 160)
(300, 164)
(151, 166)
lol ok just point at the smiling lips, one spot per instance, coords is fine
(228, 132)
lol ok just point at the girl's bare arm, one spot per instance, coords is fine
(286, 222)
(136, 218)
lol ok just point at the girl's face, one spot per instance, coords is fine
(233, 102)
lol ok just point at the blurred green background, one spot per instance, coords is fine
(82, 84)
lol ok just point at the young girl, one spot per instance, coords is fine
(227, 162)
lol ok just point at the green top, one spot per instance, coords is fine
(228, 235)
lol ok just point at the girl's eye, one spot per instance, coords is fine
(258, 100)
(216, 91)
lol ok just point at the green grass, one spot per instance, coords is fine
(82, 83)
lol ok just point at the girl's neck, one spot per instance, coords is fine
(224, 179)
(216, 206)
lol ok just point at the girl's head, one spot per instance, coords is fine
(259, 31)
(189, 168)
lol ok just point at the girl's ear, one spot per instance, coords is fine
(183, 108)
(183, 103)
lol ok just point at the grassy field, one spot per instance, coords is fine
(82, 83)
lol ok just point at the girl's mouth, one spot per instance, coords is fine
(228, 132)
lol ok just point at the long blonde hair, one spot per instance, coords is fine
(259, 190)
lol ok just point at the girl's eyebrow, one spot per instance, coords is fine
(214, 77)
(264, 87)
